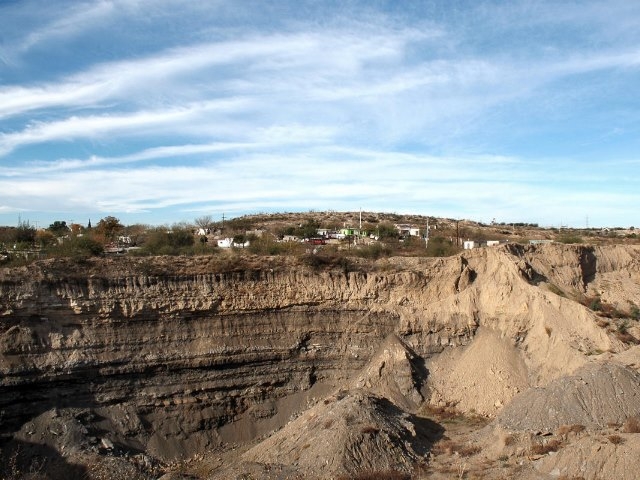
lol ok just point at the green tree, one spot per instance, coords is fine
(59, 228)
(386, 230)
(78, 247)
(173, 242)
(441, 247)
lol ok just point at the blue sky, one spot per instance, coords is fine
(160, 111)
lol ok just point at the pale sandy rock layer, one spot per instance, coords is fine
(178, 355)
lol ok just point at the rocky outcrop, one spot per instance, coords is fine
(172, 356)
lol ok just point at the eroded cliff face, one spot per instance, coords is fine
(176, 355)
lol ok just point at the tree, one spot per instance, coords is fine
(78, 247)
(387, 230)
(204, 222)
(109, 227)
(46, 238)
(25, 233)
(163, 242)
(59, 228)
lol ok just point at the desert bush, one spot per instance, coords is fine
(616, 439)
(450, 447)
(169, 242)
(569, 239)
(441, 247)
(373, 251)
(631, 425)
(566, 429)
(594, 304)
(623, 335)
(544, 448)
(77, 247)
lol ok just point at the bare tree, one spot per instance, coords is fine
(204, 222)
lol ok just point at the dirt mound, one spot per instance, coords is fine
(396, 373)
(343, 435)
(597, 395)
(481, 377)
(594, 458)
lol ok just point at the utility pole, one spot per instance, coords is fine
(222, 227)
(457, 233)
(426, 235)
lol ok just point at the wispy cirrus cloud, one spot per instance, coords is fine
(492, 108)
(136, 123)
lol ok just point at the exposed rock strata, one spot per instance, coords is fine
(166, 356)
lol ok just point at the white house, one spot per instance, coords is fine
(469, 244)
(225, 243)
(404, 229)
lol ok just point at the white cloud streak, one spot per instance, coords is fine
(320, 114)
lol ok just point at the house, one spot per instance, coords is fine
(349, 232)
(225, 242)
(407, 230)
(471, 244)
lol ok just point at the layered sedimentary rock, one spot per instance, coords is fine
(175, 355)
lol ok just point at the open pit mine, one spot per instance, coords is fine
(505, 362)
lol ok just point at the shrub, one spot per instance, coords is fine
(544, 448)
(450, 447)
(373, 251)
(77, 247)
(441, 247)
(616, 439)
(565, 429)
(569, 239)
(169, 242)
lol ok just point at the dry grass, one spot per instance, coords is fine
(452, 448)
(564, 430)
(451, 415)
(616, 439)
(626, 337)
(544, 448)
